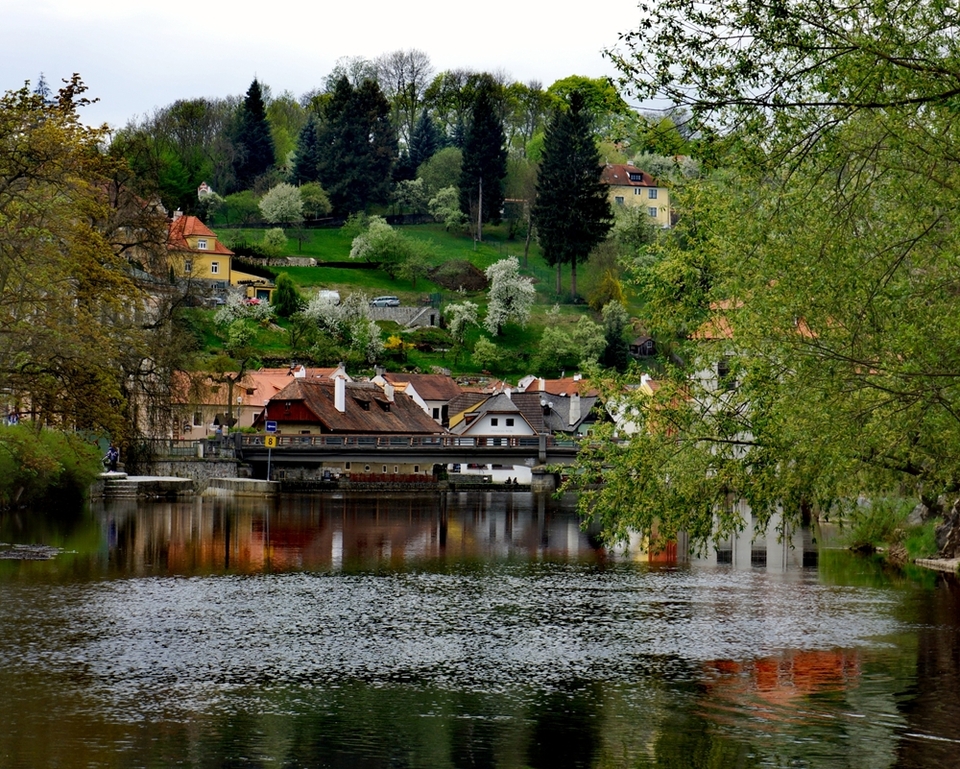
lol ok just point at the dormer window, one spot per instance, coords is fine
(636, 177)
(202, 244)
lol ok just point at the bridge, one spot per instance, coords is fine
(428, 450)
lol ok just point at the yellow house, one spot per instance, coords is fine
(629, 186)
(196, 253)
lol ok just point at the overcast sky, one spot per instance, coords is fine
(136, 56)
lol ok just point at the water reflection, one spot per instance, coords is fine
(466, 631)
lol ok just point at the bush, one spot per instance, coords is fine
(40, 464)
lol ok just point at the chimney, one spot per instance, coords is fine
(388, 390)
(340, 394)
(574, 409)
(508, 392)
(542, 385)
(177, 214)
(380, 371)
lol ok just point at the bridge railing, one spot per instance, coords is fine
(387, 442)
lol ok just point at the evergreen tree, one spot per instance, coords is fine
(305, 166)
(358, 147)
(424, 141)
(572, 212)
(484, 162)
(253, 143)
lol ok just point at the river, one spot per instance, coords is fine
(466, 630)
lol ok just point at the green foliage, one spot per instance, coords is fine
(306, 164)
(39, 464)
(442, 170)
(255, 150)
(572, 213)
(484, 164)
(286, 299)
(240, 208)
(396, 254)
(878, 523)
(486, 355)
(274, 242)
(316, 202)
(357, 147)
(445, 208)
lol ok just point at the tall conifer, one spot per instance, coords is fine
(254, 143)
(484, 162)
(572, 213)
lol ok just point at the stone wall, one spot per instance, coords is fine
(200, 471)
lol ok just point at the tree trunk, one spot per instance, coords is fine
(573, 279)
(559, 287)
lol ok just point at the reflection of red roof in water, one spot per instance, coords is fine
(778, 681)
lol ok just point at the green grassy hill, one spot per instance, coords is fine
(518, 345)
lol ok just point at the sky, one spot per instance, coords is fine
(135, 56)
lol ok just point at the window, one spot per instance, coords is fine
(214, 268)
(636, 177)
(197, 418)
(494, 422)
(346, 466)
(396, 469)
(436, 413)
(188, 266)
(384, 469)
(652, 211)
(509, 421)
(416, 468)
(652, 193)
(202, 244)
(619, 200)
(638, 191)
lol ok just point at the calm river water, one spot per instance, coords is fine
(472, 630)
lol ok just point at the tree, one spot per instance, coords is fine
(255, 149)
(572, 212)
(425, 140)
(316, 202)
(396, 253)
(510, 297)
(286, 299)
(69, 228)
(484, 163)
(403, 77)
(442, 170)
(307, 153)
(282, 205)
(358, 147)
(819, 309)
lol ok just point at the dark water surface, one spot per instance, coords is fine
(473, 630)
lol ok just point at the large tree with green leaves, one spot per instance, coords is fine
(818, 272)
(484, 164)
(254, 142)
(358, 147)
(572, 213)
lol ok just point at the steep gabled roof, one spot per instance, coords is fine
(367, 408)
(563, 386)
(431, 387)
(190, 226)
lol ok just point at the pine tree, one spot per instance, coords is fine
(305, 167)
(358, 147)
(484, 163)
(424, 141)
(254, 143)
(572, 212)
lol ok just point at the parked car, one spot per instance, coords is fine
(385, 301)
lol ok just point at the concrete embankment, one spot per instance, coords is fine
(950, 565)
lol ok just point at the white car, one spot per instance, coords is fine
(385, 301)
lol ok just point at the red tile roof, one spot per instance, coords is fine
(430, 387)
(189, 226)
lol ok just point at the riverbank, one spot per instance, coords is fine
(948, 565)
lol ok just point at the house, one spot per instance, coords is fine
(197, 254)
(338, 407)
(629, 186)
(202, 402)
(433, 392)
(307, 408)
(642, 346)
(563, 386)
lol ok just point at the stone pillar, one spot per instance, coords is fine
(542, 479)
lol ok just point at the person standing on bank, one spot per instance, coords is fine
(112, 457)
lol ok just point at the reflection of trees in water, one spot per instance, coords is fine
(932, 706)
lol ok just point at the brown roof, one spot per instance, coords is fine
(189, 226)
(618, 175)
(402, 415)
(430, 387)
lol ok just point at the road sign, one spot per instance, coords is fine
(270, 441)
(271, 427)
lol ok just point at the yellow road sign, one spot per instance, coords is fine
(270, 441)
